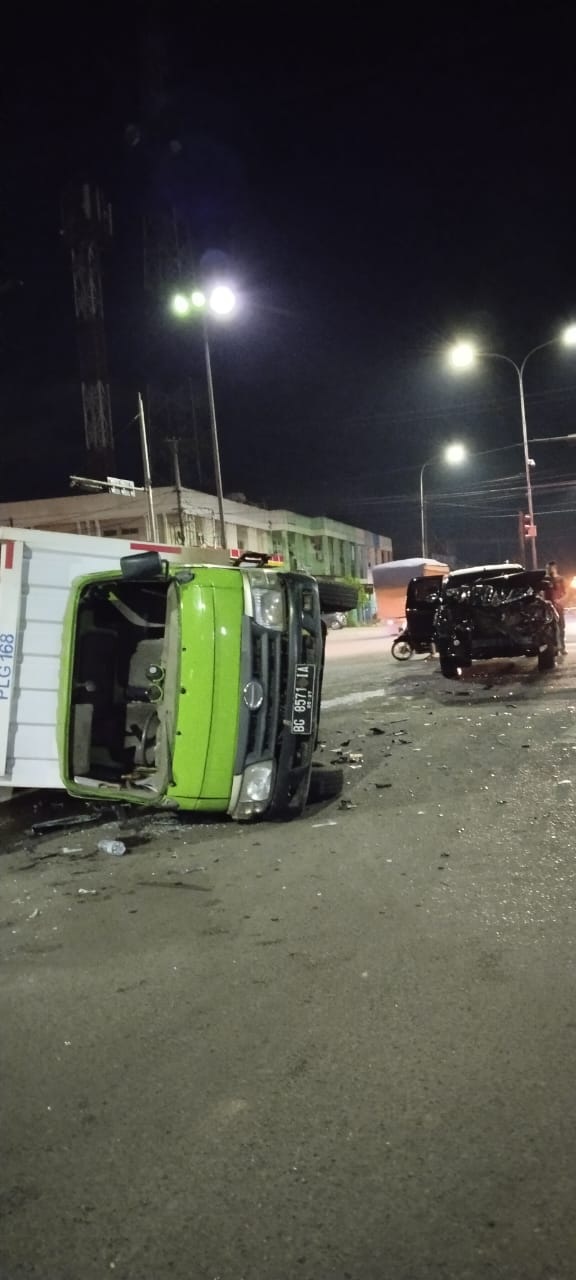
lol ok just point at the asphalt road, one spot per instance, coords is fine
(337, 1050)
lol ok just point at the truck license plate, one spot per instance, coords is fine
(303, 707)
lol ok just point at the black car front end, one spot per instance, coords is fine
(504, 616)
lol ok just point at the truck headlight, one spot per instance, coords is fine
(269, 607)
(257, 782)
(254, 791)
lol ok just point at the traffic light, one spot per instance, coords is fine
(528, 529)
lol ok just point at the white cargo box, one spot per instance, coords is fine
(36, 572)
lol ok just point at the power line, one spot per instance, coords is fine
(558, 395)
(481, 491)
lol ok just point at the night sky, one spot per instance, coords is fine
(373, 192)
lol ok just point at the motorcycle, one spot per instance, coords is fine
(404, 646)
(421, 603)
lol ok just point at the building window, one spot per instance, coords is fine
(191, 535)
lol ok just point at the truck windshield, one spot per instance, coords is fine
(124, 685)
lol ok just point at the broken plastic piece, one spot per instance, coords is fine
(116, 848)
(60, 824)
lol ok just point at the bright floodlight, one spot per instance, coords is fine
(455, 454)
(462, 355)
(197, 298)
(222, 300)
(569, 336)
(180, 305)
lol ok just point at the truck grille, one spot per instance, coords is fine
(271, 658)
(267, 668)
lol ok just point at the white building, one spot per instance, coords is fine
(315, 544)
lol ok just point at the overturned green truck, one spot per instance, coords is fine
(195, 686)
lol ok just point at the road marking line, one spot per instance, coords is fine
(352, 699)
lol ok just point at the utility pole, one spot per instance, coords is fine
(153, 531)
(175, 451)
(521, 538)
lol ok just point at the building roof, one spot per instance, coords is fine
(397, 573)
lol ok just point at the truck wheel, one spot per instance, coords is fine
(336, 597)
(449, 667)
(547, 658)
(325, 784)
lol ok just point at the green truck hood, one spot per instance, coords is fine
(211, 608)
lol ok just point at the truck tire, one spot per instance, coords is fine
(449, 667)
(337, 597)
(326, 783)
(547, 658)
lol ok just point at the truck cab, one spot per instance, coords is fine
(196, 687)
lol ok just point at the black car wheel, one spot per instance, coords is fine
(449, 667)
(325, 783)
(547, 658)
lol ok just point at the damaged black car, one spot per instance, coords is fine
(499, 612)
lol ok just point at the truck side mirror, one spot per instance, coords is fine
(145, 564)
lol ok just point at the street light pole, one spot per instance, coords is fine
(221, 301)
(520, 368)
(464, 355)
(454, 455)
(214, 433)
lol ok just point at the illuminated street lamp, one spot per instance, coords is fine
(219, 300)
(180, 304)
(462, 355)
(222, 300)
(454, 454)
(465, 354)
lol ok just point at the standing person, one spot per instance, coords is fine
(557, 594)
